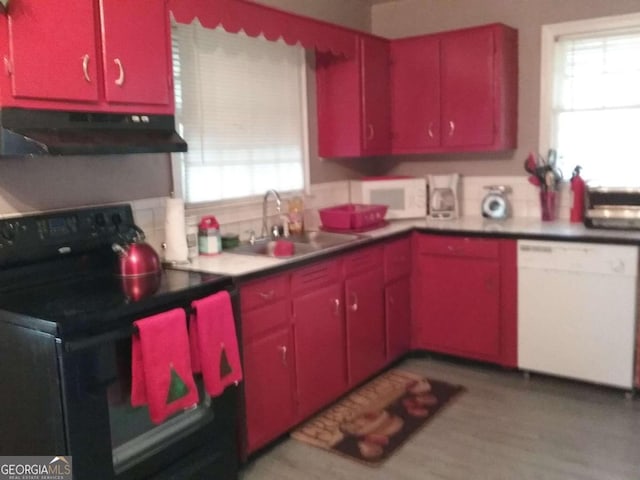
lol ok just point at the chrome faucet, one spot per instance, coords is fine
(265, 228)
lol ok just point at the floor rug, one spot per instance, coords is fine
(372, 422)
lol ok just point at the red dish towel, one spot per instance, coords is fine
(161, 375)
(214, 344)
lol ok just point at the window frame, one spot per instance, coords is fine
(177, 165)
(547, 62)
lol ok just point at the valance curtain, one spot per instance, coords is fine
(255, 19)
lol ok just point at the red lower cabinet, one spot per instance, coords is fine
(269, 393)
(364, 297)
(461, 305)
(321, 369)
(397, 298)
(465, 297)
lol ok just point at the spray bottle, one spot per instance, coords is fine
(577, 196)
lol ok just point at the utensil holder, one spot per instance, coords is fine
(548, 205)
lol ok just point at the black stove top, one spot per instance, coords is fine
(76, 292)
(104, 301)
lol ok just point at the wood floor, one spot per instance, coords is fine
(503, 427)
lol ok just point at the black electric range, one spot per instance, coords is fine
(57, 274)
(96, 302)
(66, 324)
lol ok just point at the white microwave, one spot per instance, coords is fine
(406, 197)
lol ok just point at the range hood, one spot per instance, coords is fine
(25, 132)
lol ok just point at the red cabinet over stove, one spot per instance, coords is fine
(89, 56)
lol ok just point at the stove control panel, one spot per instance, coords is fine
(48, 235)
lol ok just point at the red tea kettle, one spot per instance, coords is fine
(135, 256)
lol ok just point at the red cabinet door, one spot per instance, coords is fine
(364, 298)
(338, 104)
(321, 368)
(397, 297)
(459, 305)
(353, 97)
(468, 82)
(53, 50)
(135, 40)
(268, 386)
(415, 94)
(376, 119)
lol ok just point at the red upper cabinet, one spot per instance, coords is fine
(353, 101)
(53, 51)
(136, 64)
(456, 91)
(90, 55)
(415, 94)
(376, 120)
(468, 81)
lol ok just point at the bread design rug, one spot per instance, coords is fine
(372, 422)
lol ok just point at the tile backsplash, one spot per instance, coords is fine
(524, 198)
(243, 217)
(240, 217)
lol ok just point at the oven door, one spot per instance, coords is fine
(108, 438)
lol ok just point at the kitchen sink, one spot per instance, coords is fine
(322, 239)
(303, 244)
(267, 248)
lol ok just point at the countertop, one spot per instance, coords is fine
(246, 266)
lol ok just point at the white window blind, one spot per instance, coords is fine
(596, 105)
(240, 107)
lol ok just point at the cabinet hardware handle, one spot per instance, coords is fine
(120, 80)
(371, 132)
(354, 305)
(267, 295)
(452, 128)
(336, 306)
(430, 130)
(283, 351)
(85, 67)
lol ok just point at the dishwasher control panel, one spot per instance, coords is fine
(578, 257)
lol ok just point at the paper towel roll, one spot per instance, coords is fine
(175, 232)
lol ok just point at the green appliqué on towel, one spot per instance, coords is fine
(225, 368)
(177, 387)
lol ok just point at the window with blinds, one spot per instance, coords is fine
(596, 105)
(240, 105)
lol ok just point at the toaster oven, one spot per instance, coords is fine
(612, 207)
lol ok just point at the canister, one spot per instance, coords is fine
(209, 242)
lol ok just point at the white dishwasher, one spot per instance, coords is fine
(577, 310)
